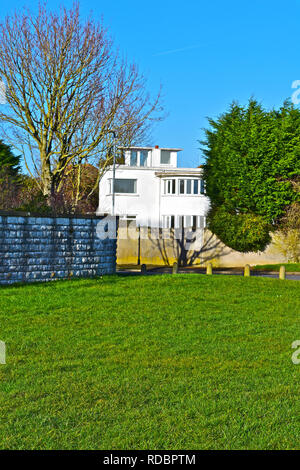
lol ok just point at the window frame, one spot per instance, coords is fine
(170, 187)
(161, 153)
(123, 179)
(136, 159)
(146, 159)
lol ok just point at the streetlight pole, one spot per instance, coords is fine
(114, 172)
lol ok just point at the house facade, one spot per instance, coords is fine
(151, 190)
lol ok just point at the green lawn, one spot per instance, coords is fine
(153, 362)
(289, 267)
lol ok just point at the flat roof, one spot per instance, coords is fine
(151, 148)
(178, 172)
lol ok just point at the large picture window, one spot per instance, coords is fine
(127, 186)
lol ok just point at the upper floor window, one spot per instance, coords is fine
(138, 158)
(191, 186)
(186, 186)
(143, 157)
(127, 186)
(133, 158)
(202, 187)
(165, 157)
(170, 186)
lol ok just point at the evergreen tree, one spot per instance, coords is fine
(252, 165)
(9, 162)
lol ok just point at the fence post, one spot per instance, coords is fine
(247, 271)
(209, 268)
(175, 268)
(143, 269)
(282, 273)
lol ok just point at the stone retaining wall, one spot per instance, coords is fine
(46, 248)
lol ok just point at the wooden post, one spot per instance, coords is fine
(282, 273)
(139, 246)
(143, 269)
(175, 268)
(209, 268)
(247, 270)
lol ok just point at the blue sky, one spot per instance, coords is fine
(205, 54)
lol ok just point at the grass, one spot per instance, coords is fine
(151, 362)
(289, 267)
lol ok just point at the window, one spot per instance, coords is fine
(191, 186)
(202, 187)
(168, 221)
(128, 217)
(196, 186)
(181, 186)
(170, 187)
(143, 158)
(188, 221)
(192, 221)
(128, 221)
(181, 221)
(133, 158)
(127, 186)
(188, 186)
(165, 157)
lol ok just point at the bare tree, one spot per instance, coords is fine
(67, 91)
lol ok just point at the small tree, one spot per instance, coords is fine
(77, 194)
(10, 178)
(8, 160)
(68, 91)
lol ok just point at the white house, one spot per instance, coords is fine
(153, 191)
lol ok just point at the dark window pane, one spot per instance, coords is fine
(173, 186)
(181, 186)
(133, 158)
(165, 157)
(202, 188)
(196, 187)
(143, 158)
(172, 221)
(188, 186)
(125, 186)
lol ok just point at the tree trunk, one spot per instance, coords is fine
(47, 178)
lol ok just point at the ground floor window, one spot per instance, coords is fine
(126, 220)
(185, 221)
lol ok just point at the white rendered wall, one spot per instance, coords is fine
(144, 204)
(149, 203)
